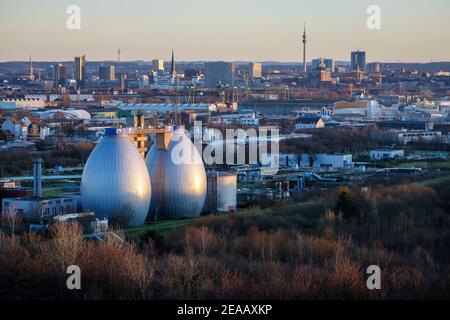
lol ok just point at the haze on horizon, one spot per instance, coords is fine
(235, 30)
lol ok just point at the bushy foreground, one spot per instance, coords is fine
(314, 250)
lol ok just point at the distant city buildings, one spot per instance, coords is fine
(59, 75)
(219, 73)
(80, 69)
(255, 70)
(107, 73)
(158, 65)
(328, 63)
(358, 60)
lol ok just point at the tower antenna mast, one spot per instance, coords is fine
(304, 48)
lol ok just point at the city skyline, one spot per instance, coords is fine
(250, 31)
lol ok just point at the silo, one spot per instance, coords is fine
(115, 181)
(177, 175)
(222, 192)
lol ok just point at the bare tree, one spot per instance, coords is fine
(12, 220)
(141, 273)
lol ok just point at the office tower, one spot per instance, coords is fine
(59, 75)
(49, 72)
(304, 49)
(219, 73)
(107, 73)
(358, 59)
(158, 65)
(80, 70)
(255, 70)
(374, 67)
(328, 63)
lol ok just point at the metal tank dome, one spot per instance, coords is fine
(115, 181)
(178, 176)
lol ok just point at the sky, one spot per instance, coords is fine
(231, 30)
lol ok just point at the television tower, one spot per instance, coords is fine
(30, 69)
(304, 48)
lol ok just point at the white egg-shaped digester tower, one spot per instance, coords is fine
(177, 175)
(115, 182)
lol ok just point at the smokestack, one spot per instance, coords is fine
(37, 175)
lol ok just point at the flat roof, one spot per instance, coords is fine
(386, 150)
(39, 198)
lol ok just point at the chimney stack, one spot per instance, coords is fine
(37, 175)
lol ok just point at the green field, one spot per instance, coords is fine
(163, 226)
(52, 192)
(435, 181)
(308, 208)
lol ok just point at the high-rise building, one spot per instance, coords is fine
(374, 67)
(328, 63)
(358, 59)
(158, 65)
(107, 73)
(219, 73)
(255, 70)
(59, 74)
(80, 69)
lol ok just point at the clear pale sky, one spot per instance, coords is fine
(259, 30)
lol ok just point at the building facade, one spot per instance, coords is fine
(358, 59)
(219, 73)
(107, 73)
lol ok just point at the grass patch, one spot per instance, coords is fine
(52, 192)
(163, 226)
(435, 181)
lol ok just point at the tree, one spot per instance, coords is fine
(12, 220)
(346, 204)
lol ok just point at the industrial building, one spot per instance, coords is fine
(410, 136)
(386, 154)
(115, 181)
(161, 108)
(68, 114)
(38, 208)
(22, 103)
(221, 193)
(178, 176)
(317, 161)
